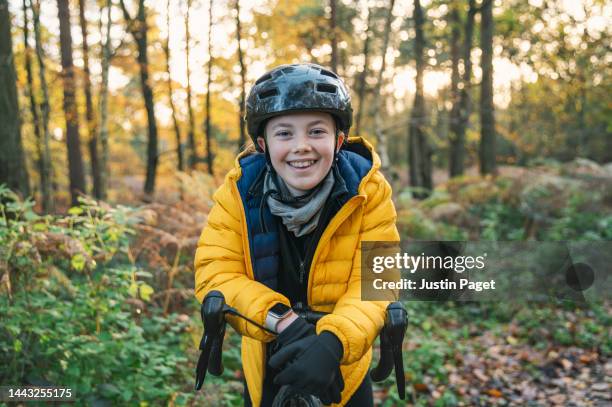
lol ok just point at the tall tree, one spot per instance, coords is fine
(105, 57)
(177, 129)
(242, 77)
(361, 78)
(47, 170)
(13, 170)
(460, 115)
(332, 35)
(380, 134)
(209, 154)
(138, 29)
(45, 186)
(73, 141)
(193, 154)
(419, 152)
(89, 110)
(456, 146)
(487, 114)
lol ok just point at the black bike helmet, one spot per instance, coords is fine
(296, 88)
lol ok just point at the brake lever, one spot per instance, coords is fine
(398, 324)
(214, 327)
(391, 338)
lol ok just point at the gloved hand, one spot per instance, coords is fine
(297, 330)
(312, 364)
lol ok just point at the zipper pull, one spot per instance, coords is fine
(302, 272)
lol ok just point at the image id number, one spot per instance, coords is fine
(31, 393)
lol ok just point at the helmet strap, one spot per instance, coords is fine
(267, 154)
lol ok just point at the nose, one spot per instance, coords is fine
(302, 143)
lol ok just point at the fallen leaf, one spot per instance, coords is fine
(480, 375)
(567, 365)
(600, 386)
(529, 392)
(557, 399)
(421, 387)
(524, 356)
(494, 393)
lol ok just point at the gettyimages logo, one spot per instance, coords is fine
(487, 271)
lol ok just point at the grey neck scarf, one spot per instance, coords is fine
(299, 214)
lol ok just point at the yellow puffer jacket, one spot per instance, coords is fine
(223, 262)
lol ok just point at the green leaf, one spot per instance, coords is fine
(133, 290)
(146, 291)
(40, 227)
(17, 345)
(78, 262)
(75, 210)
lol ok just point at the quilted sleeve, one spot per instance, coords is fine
(220, 265)
(355, 322)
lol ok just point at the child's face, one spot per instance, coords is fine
(301, 147)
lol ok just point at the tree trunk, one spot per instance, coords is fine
(487, 114)
(332, 36)
(103, 102)
(242, 140)
(177, 129)
(361, 84)
(13, 170)
(75, 158)
(193, 154)
(381, 137)
(464, 107)
(47, 170)
(29, 90)
(419, 151)
(209, 154)
(456, 145)
(139, 32)
(89, 110)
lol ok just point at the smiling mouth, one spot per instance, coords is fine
(302, 163)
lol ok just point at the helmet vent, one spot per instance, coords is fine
(263, 79)
(289, 69)
(328, 73)
(327, 88)
(268, 93)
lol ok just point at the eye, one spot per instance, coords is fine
(282, 133)
(318, 132)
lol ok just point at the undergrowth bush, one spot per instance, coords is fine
(72, 315)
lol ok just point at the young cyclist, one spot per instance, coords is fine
(285, 233)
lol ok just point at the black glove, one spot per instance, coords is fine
(297, 330)
(312, 364)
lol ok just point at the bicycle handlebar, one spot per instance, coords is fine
(213, 316)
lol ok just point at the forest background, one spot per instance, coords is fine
(119, 118)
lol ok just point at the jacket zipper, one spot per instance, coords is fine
(302, 271)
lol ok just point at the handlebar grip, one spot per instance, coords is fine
(212, 312)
